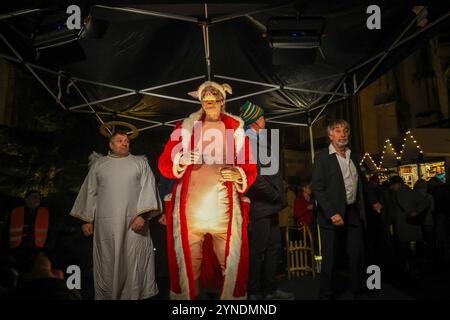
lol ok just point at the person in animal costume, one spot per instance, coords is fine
(206, 215)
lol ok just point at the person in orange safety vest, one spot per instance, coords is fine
(28, 229)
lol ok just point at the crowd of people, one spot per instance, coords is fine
(225, 213)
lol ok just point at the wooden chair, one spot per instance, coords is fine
(300, 251)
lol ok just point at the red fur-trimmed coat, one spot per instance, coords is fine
(233, 284)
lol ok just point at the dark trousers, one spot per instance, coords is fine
(350, 235)
(409, 261)
(265, 246)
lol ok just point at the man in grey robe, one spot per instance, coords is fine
(116, 199)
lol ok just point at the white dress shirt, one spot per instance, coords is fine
(349, 173)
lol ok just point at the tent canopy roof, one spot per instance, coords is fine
(129, 55)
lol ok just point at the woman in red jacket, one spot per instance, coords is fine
(303, 205)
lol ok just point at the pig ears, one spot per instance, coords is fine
(193, 94)
(227, 88)
(223, 88)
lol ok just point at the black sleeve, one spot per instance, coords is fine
(369, 193)
(319, 187)
(265, 188)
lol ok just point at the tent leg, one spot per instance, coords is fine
(311, 138)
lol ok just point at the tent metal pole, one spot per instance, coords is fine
(138, 118)
(102, 100)
(288, 123)
(150, 127)
(311, 105)
(286, 115)
(315, 91)
(328, 102)
(238, 15)
(19, 13)
(59, 74)
(295, 105)
(90, 106)
(170, 97)
(206, 47)
(319, 114)
(8, 57)
(103, 84)
(311, 142)
(362, 83)
(362, 64)
(317, 79)
(310, 124)
(440, 19)
(355, 82)
(81, 79)
(58, 44)
(149, 13)
(33, 72)
(257, 23)
(247, 81)
(91, 112)
(253, 94)
(172, 121)
(445, 16)
(49, 71)
(171, 84)
(294, 100)
(205, 29)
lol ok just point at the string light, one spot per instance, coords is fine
(367, 155)
(388, 143)
(409, 134)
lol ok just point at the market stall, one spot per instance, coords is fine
(425, 153)
(389, 158)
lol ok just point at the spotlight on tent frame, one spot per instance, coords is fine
(295, 33)
(52, 31)
(295, 39)
(54, 43)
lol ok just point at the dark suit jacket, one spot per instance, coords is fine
(329, 189)
(267, 193)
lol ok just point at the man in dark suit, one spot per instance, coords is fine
(339, 188)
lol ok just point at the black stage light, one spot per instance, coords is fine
(295, 40)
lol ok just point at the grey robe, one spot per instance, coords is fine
(114, 192)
